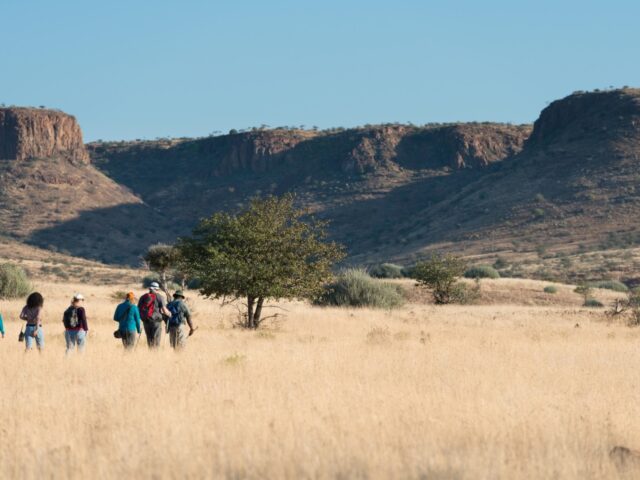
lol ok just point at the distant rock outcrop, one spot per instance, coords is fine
(39, 133)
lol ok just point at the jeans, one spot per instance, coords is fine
(75, 337)
(29, 339)
(153, 331)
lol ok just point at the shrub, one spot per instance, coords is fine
(614, 285)
(465, 294)
(355, 288)
(13, 281)
(593, 303)
(550, 289)
(148, 280)
(440, 274)
(584, 290)
(500, 263)
(482, 271)
(386, 270)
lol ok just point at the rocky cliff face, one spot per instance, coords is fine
(37, 133)
(351, 152)
(589, 116)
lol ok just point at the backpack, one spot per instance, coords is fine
(70, 318)
(176, 314)
(147, 306)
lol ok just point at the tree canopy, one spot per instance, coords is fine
(268, 251)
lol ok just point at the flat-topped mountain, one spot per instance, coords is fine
(575, 185)
(50, 193)
(39, 133)
(391, 192)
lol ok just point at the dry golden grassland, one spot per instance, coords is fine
(501, 390)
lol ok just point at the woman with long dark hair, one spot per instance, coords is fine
(32, 314)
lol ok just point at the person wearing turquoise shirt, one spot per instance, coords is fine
(1, 326)
(128, 317)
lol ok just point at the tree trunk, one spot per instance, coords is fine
(165, 288)
(258, 313)
(250, 302)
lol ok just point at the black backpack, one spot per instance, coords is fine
(70, 318)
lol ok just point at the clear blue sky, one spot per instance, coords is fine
(143, 69)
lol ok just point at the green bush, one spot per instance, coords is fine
(13, 281)
(148, 280)
(614, 285)
(482, 271)
(593, 303)
(355, 288)
(386, 270)
(550, 289)
(440, 274)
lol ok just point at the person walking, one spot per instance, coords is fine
(152, 311)
(180, 315)
(32, 314)
(128, 317)
(1, 326)
(75, 324)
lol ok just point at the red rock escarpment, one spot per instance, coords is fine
(38, 133)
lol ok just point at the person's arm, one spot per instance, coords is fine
(116, 317)
(163, 307)
(23, 314)
(187, 315)
(136, 316)
(82, 316)
(1, 326)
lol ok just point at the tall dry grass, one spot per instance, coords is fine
(473, 392)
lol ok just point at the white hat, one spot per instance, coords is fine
(78, 296)
(154, 286)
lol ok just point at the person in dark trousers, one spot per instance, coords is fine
(128, 317)
(32, 314)
(180, 315)
(152, 311)
(75, 324)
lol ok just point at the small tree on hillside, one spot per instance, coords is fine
(266, 252)
(163, 260)
(585, 290)
(440, 274)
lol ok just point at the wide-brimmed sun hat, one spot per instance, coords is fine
(178, 294)
(154, 286)
(78, 296)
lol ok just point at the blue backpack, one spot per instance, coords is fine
(176, 314)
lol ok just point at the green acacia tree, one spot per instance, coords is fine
(164, 260)
(440, 274)
(266, 252)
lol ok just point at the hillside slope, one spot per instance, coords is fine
(399, 168)
(574, 186)
(51, 195)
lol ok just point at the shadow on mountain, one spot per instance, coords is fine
(116, 235)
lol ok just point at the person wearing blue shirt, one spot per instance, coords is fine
(128, 317)
(1, 326)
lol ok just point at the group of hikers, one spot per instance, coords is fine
(151, 312)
